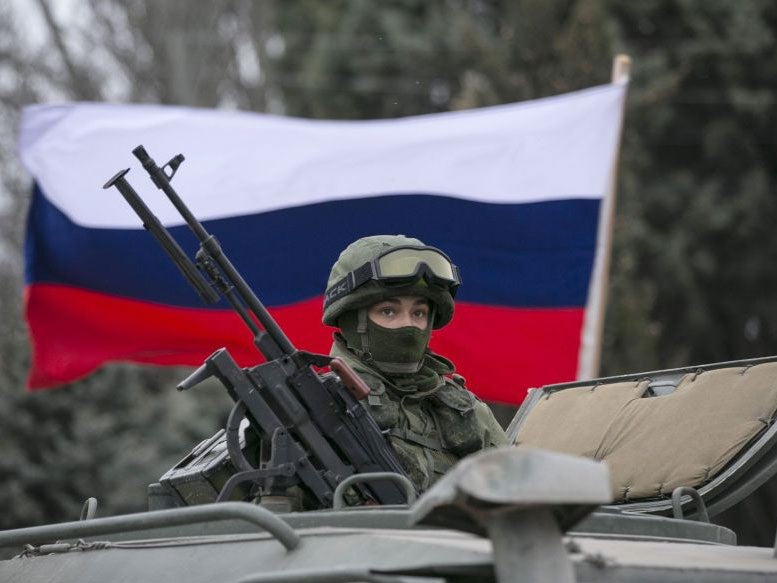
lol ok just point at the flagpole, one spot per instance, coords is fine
(593, 325)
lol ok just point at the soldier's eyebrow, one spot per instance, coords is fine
(393, 301)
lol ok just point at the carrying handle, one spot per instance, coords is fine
(404, 482)
(677, 505)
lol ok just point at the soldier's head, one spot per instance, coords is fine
(386, 293)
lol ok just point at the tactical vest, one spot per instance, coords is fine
(430, 431)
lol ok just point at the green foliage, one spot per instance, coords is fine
(108, 436)
(113, 433)
(355, 60)
(693, 280)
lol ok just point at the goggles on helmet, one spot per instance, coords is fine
(397, 266)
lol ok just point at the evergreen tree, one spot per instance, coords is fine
(359, 60)
(113, 433)
(692, 276)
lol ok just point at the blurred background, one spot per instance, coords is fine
(692, 277)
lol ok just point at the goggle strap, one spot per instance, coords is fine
(348, 283)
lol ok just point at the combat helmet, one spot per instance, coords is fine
(372, 269)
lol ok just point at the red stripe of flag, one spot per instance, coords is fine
(74, 331)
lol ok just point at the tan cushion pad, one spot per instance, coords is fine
(575, 420)
(655, 444)
(685, 438)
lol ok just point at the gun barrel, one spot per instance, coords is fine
(163, 236)
(162, 182)
(213, 248)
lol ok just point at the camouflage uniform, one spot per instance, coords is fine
(429, 416)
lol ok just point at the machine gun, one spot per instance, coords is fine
(314, 431)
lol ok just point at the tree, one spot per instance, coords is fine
(120, 429)
(692, 270)
(356, 60)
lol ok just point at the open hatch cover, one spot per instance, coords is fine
(706, 427)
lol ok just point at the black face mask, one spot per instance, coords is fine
(391, 350)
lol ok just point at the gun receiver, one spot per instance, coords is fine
(318, 432)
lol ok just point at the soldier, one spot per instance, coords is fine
(386, 294)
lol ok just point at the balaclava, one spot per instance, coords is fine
(391, 350)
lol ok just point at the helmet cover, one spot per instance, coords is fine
(368, 249)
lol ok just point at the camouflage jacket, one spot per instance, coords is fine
(430, 430)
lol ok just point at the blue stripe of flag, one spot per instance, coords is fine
(519, 255)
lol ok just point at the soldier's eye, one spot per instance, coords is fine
(387, 311)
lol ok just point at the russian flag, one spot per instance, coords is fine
(512, 193)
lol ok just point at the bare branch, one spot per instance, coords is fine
(81, 85)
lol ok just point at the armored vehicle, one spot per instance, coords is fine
(679, 447)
